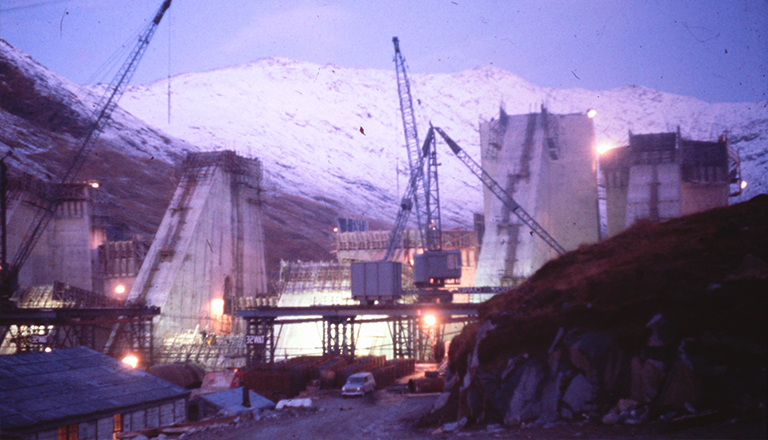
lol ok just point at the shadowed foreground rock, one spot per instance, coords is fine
(663, 322)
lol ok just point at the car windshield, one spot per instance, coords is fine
(356, 381)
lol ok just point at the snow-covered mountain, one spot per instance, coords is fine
(335, 134)
(331, 138)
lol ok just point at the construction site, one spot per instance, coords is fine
(204, 269)
(197, 292)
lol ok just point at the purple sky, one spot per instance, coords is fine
(716, 50)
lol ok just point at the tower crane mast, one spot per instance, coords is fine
(103, 110)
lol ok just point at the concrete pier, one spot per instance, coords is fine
(209, 246)
(547, 163)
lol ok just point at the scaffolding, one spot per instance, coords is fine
(59, 295)
(215, 352)
(300, 276)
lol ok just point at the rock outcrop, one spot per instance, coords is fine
(663, 321)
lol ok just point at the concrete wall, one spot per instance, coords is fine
(659, 178)
(653, 193)
(702, 197)
(556, 186)
(616, 208)
(209, 244)
(64, 252)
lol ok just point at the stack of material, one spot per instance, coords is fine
(384, 375)
(289, 378)
(328, 372)
(403, 366)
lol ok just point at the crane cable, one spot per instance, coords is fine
(169, 68)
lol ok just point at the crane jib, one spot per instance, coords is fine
(500, 193)
(164, 7)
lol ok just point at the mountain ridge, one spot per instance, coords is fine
(330, 137)
(307, 117)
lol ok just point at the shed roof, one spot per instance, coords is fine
(39, 389)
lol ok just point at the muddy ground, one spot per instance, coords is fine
(391, 415)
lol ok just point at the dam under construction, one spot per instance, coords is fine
(204, 272)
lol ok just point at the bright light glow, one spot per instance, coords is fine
(94, 184)
(131, 360)
(743, 184)
(48, 349)
(217, 307)
(430, 320)
(120, 289)
(591, 113)
(602, 148)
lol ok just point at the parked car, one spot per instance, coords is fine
(359, 384)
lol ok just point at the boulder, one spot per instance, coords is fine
(550, 398)
(588, 354)
(580, 394)
(525, 404)
(662, 332)
(647, 378)
(683, 386)
(617, 372)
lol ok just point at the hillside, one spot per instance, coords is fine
(669, 316)
(43, 116)
(304, 121)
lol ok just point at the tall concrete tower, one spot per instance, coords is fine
(547, 163)
(209, 246)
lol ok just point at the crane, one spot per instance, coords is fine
(433, 266)
(380, 280)
(103, 110)
(414, 192)
(500, 193)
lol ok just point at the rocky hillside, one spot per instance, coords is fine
(42, 119)
(44, 116)
(662, 322)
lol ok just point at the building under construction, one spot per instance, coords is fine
(209, 248)
(660, 176)
(67, 251)
(546, 162)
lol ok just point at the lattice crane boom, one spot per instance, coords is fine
(101, 115)
(407, 203)
(414, 197)
(500, 193)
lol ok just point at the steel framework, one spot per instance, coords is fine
(260, 340)
(24, 330)
(339, 335)
(411, 336)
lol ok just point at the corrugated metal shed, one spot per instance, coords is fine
(69, 385)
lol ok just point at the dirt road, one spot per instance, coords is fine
(382, 415)
(388, 415)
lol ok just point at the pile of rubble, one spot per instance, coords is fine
(662, 322)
